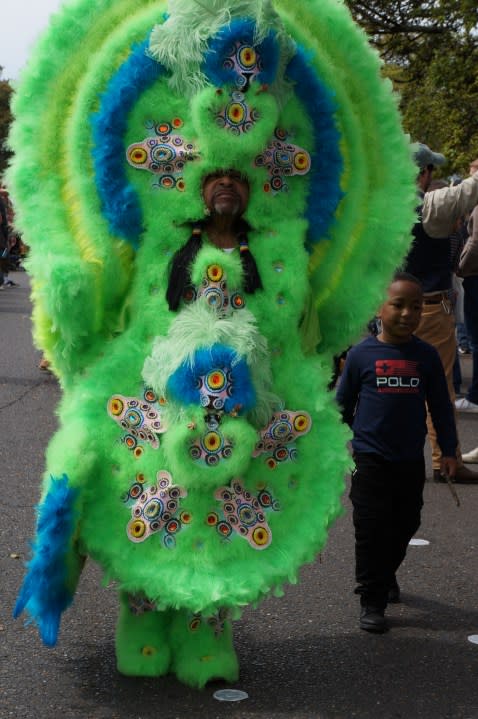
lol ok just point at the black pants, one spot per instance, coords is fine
(387, 498)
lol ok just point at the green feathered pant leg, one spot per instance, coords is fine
(141, 642)
(202, 649)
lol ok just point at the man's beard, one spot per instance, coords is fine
(226, 209)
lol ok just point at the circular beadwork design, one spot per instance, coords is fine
(235, 113)
(163, 153)
(116, 406)
(156, 509)
(149, 651)
(137, 156)
(237, 301)
(212, 442)
(282, 160)
(224, 529)
(137, 529)
(195, 624)
(237, 116)
(260, 536)
(215, 273)
(247, 57)
(140, 419)
(244, 514)
(215, 380)
(277, 439)
(301, 423)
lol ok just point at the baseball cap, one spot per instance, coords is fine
(423, 156)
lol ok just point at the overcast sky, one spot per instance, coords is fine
(21, 22)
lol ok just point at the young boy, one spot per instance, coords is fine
(384, 387)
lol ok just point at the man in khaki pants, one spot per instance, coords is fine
(429, 261)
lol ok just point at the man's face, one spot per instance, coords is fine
(473, 168)
(226, 193)
(425, 177)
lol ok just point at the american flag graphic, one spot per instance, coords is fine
(396, 368)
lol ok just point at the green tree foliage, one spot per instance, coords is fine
(5, 120)
(430, 51)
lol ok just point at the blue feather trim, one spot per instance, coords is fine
(184, 383)
(120, 202)
(223, 44)
(327, 162)
(45, 593)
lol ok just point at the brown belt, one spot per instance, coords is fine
(436, 299)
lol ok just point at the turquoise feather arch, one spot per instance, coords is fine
(327, 161)
(120, 204)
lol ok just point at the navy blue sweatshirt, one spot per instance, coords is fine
(382, 392)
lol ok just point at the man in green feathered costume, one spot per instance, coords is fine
(223, 227)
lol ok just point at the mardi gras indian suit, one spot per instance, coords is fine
(200, 459)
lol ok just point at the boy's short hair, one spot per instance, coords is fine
(401, 276)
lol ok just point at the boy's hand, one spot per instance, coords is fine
(448, 470)
(448, 467)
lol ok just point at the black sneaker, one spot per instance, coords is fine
(372, 619)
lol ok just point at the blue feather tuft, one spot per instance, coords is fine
(121, 205)
(327, 162)
(45, 593)
(185, 383)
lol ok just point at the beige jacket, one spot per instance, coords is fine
(442, 208)
(468, 264)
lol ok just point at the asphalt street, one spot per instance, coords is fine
(302, 656)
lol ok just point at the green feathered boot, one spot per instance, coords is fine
(202, 649)
(142, 647)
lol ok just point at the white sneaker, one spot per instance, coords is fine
(471, 457)
(464, 405)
